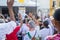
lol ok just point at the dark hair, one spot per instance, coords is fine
(27, 12)
(24, 21)
(57, 15)
(26, 16)
(37, 17)
(46, 24)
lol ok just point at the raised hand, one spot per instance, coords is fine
(20, 18)
(10, 3)
(10, 8)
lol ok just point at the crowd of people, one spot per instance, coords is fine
(31, 27)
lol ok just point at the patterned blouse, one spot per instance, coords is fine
(54, 37)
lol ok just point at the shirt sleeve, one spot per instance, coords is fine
(40, 34)
(11, 26)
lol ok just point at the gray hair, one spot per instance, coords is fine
(32, 24)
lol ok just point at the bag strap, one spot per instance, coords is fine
(30, 35)
(35, 33)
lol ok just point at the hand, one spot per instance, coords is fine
(11, 13)
(10, 3)
(1, 15)
(19, 16)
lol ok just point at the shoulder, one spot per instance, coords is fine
(44, 29)
(12, 22)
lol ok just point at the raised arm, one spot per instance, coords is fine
(33, 17)
(10, 8)
(20, 18)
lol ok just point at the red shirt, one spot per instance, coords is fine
(13, 35)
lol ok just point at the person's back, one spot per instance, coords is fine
(44, 32)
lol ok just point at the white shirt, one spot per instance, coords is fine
(44, 33)
(6, 28)
(24, 29)
(32, 33)
(51, 29)
(37, 27)
(51, 26)
(37, 33)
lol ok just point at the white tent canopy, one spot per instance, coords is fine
(16, 3)
(43, 4)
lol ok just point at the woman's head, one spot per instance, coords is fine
(57, 19)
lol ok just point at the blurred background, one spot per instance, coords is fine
(42, 7)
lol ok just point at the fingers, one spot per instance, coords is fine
(10, 3)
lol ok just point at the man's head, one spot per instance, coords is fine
(57, 19)
(31, 24)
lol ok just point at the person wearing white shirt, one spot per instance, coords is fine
(7, 28)
(45, 31)
(50, 24)
(32, 31)
(24, 30)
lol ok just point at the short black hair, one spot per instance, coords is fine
(27, 12)
(46, 23)
(24, 21)
(57, 15)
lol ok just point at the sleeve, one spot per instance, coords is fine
(6, 28)
(51, 29)
(40, 34)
